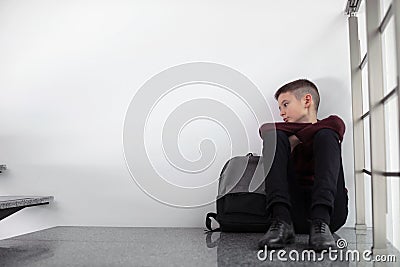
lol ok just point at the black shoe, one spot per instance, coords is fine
(320, 236)
(278, 235)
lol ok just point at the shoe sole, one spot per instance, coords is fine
(282, 245)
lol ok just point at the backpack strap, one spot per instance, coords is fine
(208, 221)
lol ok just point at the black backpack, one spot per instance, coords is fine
(241, 202)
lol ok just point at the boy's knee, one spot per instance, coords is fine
(269, 136)
(325, 134)
(281, 133)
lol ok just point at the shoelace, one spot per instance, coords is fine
(319, 227)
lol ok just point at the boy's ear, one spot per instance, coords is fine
(308, 100)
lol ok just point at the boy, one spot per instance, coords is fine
(305, 188)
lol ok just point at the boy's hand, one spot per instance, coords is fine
(294, 141)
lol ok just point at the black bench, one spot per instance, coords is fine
(3, 168)
(11, 204)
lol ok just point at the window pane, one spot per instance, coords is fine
(365, 92)
(392, 134)
(368, 200)
(367, 158)
(393, 216)
(389, 57)
(362, 29)
(362, 32)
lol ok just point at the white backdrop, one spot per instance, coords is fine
(69, 70)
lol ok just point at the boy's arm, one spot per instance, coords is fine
(290, 128)
(333, 122)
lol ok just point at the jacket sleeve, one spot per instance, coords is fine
(289, 128)
(333, 122)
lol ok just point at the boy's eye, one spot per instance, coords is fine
(285, 105)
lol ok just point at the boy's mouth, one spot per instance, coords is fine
(285, 119)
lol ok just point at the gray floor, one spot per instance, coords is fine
(112, 246)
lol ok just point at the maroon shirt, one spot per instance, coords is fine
(302, 154)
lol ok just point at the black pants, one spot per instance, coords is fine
(281, 184)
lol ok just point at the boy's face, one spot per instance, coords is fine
(292, 109)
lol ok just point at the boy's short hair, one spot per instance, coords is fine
(299, 88)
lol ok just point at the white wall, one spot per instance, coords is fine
(69, 70)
